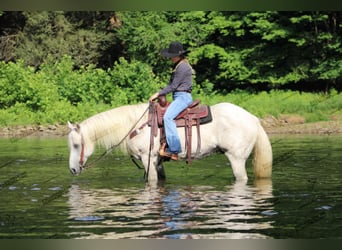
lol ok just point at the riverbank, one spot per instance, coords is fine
(283, 125)
(34, 130)
(297, 125)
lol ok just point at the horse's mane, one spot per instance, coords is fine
(110, 127)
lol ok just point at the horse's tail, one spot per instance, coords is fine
(262, 162)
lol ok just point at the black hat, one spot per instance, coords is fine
(174, 49)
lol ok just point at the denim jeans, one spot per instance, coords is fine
(181, 100)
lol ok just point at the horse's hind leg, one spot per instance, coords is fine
(238, 166)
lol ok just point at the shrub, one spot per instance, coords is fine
(58, 92)
(136, 79)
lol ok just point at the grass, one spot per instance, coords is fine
(311, 106)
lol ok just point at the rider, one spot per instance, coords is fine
(180, 85)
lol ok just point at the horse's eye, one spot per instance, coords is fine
(76, 146)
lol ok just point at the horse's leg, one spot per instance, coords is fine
(150, 163)
(160, 170)
(238, 166)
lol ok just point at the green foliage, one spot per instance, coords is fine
(313, 107)
(54, 34)
(264, 50)
(18, 114)
(144, 34)
(79, 63)
(58, 92)
(267, 26)
(20, 84)
(135, 80)
(73, 85)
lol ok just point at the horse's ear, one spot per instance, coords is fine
(76, 127)
(71, 126)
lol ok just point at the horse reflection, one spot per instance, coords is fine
(238, 211)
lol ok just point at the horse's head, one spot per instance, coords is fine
(79, 152)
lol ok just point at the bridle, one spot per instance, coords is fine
(82, 154)
(81, 161)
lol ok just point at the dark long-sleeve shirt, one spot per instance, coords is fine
(181, 79)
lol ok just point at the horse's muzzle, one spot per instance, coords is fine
(73, 171)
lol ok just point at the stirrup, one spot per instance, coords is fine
(173, 157)
(163, 153)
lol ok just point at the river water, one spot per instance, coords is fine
(40, 199)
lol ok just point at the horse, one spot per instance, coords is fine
(233, 131)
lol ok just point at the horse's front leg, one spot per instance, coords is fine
(154, 169)
(160, 170)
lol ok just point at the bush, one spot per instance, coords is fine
(136, 79)
(58, 92)
(21, 84)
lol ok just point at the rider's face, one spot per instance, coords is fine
(175, 59)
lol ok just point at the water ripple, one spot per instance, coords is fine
(237, 212)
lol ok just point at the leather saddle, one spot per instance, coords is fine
(190, 116)
(194, 115)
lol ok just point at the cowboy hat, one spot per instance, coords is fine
(174, 49)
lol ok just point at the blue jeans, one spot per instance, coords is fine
(181, 100)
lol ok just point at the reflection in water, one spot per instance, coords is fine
(238, 211)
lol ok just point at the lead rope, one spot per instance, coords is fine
(116, 145)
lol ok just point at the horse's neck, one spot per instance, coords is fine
(111, 127)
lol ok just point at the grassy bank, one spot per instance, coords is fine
(308, 107)
(311, 107)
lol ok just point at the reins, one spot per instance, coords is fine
(92, 163)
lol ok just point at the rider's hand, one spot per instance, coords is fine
(153, 97)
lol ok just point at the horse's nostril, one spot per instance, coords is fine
(73, 171)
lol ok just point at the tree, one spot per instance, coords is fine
(10, 24)
(270, 49)
(228, 50)
(57, 33)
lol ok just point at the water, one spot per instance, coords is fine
(40, 199)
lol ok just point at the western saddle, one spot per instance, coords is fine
(194, 115)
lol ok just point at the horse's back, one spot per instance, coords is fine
(233, 113)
